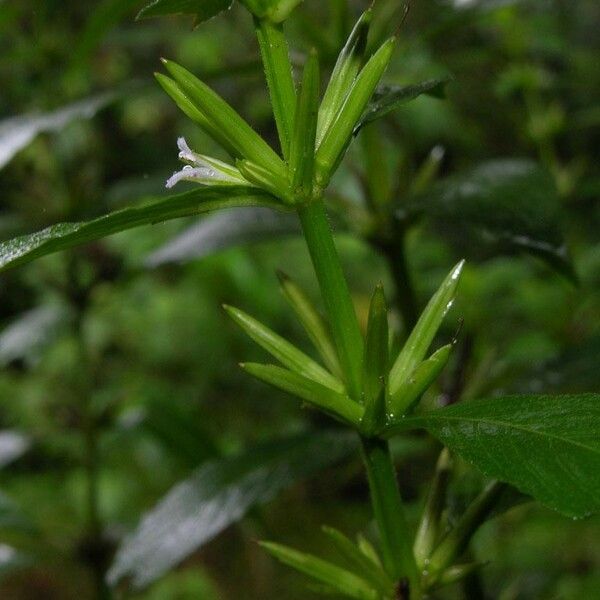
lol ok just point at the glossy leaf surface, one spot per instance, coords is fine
(26, 248)
(420, 338)
(217, 495)
(546, 446)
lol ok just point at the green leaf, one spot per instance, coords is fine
(58, 237)
(324, 398)
(222, 117)
(359, 563)
(18, 132)
(302, 148)
(387, 98)
(343, 75)
(546, 446)
(218, 494)
(344, 582)
(271, 181)
(190, 109)
(375, 362)
(420, 380)
(278, 72)
(285, 352)
(499, 206)
(339, 134)
(201, 9)
(313, 323)
(271, 10)
(223, 230)
(418, 342)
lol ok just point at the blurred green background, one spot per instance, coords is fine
(119, 374)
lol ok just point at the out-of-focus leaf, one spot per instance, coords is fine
(27, 335)
(217, 495)
(500, 205)
(13, 444)
(178, 430)
(11, 559)
(17, 132)
(225, 230)
(201, 9)
(575, 370)
(11, 516)
(546, 446)
(26, 248)
(273, 10)
(389, 97)
(105, 15)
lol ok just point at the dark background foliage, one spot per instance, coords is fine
(119, 369)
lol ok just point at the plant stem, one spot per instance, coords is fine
(396, 541)
(334, 289)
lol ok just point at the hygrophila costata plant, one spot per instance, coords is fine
(547, 447)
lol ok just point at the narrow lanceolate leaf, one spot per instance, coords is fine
(287, 354)
(223, 230)
(271, 181)
(302, 148)
(335, 404)
(546, 446)
(313, 323)
(191, 110)
(278, 72)
(422, 335)
(343, 75)
(375, 362)
(339, 134)
(201, 9)
(26, 248)
(358, 562)
(247, 143)
(344, 582)
(431, 525)
(218, 494)
(422, 377)
(389, 97)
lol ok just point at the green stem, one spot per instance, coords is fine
(278, 71)
(334, 289)
(396, 540)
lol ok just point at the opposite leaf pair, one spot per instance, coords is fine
(388, 392)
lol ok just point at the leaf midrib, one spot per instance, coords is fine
(509, 426)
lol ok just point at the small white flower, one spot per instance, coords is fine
(203, 169)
